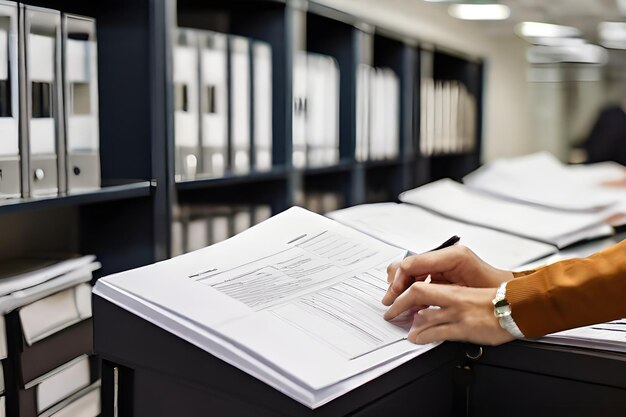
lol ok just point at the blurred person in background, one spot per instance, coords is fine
(607, 140)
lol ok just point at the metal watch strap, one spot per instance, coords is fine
(502, 310)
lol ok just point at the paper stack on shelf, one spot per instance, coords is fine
(47, 336)
(416, 229)
(457, 201)
(272, 302)
(448, 118)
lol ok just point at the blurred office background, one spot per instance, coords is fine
(543, 91)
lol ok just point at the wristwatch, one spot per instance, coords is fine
(502, 310)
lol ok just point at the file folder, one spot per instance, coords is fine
(80, 77)
(10, 169)
(186, 106)
(323, 110)
(299, 122)
(262, 105)
(70, 380)
(214, 103)
(42, 40)
(240, 107)
(363, 83)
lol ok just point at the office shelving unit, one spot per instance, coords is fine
(127, 223)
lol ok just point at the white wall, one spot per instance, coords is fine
(507, 127)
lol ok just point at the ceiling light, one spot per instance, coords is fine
(612, 34)
(532, 30)
(479, 11)
(580, 54)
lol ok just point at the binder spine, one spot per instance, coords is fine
(79, 124)
(41, 41)
(10, 169)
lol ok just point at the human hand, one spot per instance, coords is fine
(464, 314)
(621, 182)
(454, 265)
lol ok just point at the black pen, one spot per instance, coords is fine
(454, 239)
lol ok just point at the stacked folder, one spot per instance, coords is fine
(196, 226)
(378, 114)
(448, 118)
(46, 338)
(222, 104)
(48, 102)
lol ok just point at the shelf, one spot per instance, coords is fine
(107, 193)
(392, 163)
(341, 167)
(276, 174)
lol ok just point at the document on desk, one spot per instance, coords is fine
(294, 301)
(541, 179)
(556, 227)
(604, 336)
(419, 230)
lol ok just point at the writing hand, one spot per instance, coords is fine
(463, 314)
(454, 265)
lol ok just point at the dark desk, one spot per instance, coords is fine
(159, 374)
(530, 379)
(149, 372)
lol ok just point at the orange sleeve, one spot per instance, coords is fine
(571, 293)
(523, 273)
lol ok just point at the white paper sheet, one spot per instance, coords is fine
(419, 230)
(315, 263)
(542, 179)
(457, 201)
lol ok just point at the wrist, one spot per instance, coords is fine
(503, 312)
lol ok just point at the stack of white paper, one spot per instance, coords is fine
(542, 179)
(48, 276)
(293, 301)
(418, 230)
(556, 227)
(604, 336)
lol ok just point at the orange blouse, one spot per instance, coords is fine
(570, 293)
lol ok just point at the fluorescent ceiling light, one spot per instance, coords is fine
(479, 11)
(558, 41)
(532, 30)
(580, 54)
(612, 34)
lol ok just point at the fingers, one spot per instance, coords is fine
(447, 331)
(418, 294)
(439, 261)
(399, 283)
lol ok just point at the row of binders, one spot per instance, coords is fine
(378, 114)
(222, 105)
(48, 367)
(195, 226)
(315, 110)
(448, 118)
(48, 102)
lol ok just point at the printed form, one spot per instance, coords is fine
(294, 301)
